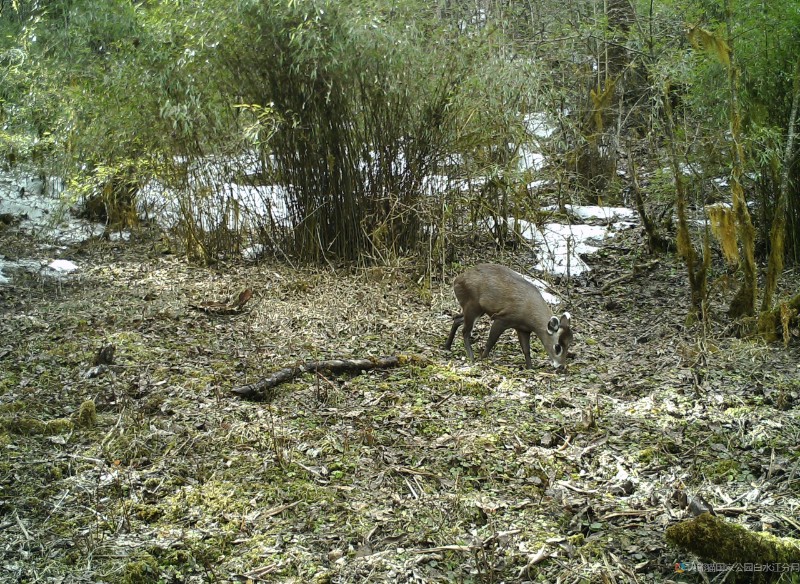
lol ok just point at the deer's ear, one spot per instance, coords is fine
(565, 320)
(552, 325)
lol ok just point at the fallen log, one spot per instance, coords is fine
(713, 539)
(261, 390)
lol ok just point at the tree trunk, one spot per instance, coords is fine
(696, 268)
(655, 239)
(744, 302)
(774, 323)
(777, 236)
(621, 16)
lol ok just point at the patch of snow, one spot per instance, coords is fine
(435, 183)
(29, 265)
(530, 159)
(22, 197)
(159, 203)
(119, 236)
(538, 124)
(41, 210)
(54, 269)
(560, 246)
(549, 296)
(604, 213)
(454, 159)
(253, 252)
(689, 169)
(262, 201)
(65, 266)
(478, 19)
(537, 184)
(234, 204)
(589, 212)
(439, 183)
(250, 163)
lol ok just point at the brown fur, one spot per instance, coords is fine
(511, 301)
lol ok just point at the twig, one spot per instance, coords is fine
(278, 509)
(260, 389)
(578, 489)
(445, 548)
(22, 527)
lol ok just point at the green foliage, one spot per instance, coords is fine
(353, 127)
(349, 106)
(360, 104)
(765, 44)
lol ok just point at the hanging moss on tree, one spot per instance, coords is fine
(723, 226)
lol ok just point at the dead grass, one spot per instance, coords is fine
(440, 473)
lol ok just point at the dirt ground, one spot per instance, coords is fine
(142, 467)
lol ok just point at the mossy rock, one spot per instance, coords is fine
(33, 427)
(147, 513)
(87, 415)
(58, 426)
(142, 570)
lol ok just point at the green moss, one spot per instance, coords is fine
(66, 352)
(259, 548)
(12, 407)
(784, 395)
(670, 446)
(577, 540)
(56, 472)
(723, 470)
(142, 570)
(716, 539)
(647, 455)
(135, 442)
(8, 382)
(738, 412)
(147, 513)
(432, 429)
(487, 441)
(87, 414)
(223, 501)
(25, 426)
(324, 577)
(58, 426)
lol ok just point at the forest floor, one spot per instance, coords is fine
(148, 469)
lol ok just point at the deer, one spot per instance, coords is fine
(512, 302)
